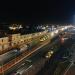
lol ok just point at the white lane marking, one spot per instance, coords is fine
(68, 69)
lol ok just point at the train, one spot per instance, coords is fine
(8, 56)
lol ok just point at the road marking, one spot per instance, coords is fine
(28, 67)
(68, 69)
(45, 43)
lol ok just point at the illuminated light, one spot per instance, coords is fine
(12, 28)
(46, 26)
(46, 56)
(52, 52)
(56, 31)
(62, 29)
(20, 27)
(21, 39)
(49, 52)
(29, 37)
(43, 27)
(52, 34)
(41, 40)
(44, 39)
(66, 27)
(15, 26)
(40, 32)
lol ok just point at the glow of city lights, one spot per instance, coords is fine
(62, 29)
(52, 34)
(40, 32)
(52, 52)
(66, 27)
(56, 31)
(12, 28)
(47, 26)
(15, 26)
(43, 27)
(20, 27)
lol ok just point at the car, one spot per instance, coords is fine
(49, 54)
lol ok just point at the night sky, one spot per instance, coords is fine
(38, 11)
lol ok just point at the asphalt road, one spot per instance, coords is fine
(43, 50)
(52, 64)
(36, 55)
(71, 69)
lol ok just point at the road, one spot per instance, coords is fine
(71, 69)
(43, 50)
(67, 50)
(31, 52)
(64, 51)
(38, 55)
